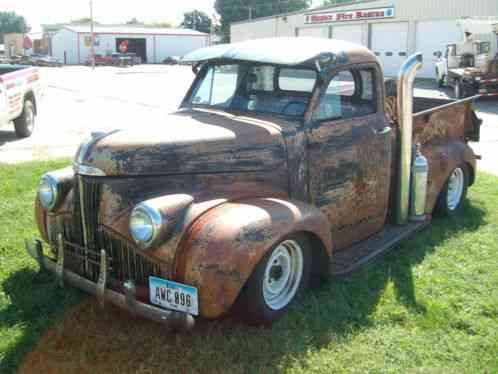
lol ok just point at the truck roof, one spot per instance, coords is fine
(284, 51)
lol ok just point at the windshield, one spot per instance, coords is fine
(255, 88)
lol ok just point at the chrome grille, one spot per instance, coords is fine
(85, 237)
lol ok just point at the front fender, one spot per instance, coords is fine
(221, 249)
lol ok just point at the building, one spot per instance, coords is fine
(393, 29)
(71, 44)
(13, 44)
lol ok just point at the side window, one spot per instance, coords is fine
(350, 94)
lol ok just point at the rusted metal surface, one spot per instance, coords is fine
(222, 248)
(232, 184)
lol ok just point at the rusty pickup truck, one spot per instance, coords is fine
(288, 159)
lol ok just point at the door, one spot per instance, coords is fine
(390, 44)
(316, 32)
(433, 37)
(350, 33)
(3, 105)
(349, 155)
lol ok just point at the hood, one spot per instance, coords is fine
(189, 142)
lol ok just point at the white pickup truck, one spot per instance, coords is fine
(20, 93)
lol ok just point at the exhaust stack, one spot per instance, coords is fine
(406, 78)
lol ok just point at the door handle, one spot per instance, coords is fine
(386, 130)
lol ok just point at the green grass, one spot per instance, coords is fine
(430, 306)
(29, 300)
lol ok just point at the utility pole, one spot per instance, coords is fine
(194, 19)
(250, 12)
(92, 36)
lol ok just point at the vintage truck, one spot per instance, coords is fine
(20, 92)
(286, 161)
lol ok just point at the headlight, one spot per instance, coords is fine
(54, 186)
(145, 224)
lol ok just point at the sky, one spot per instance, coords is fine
(39, 12)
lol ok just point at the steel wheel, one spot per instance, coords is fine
(455, 189)
(283, 274)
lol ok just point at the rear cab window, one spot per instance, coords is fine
(350, 94)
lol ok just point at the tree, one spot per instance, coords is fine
(82, 20)
(133, 21)
(239, 10)
(335, 2)
(12, 22)
(197, 20)
(164, 24)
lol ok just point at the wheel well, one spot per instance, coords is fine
(472, 173)
(31, 97)
(320, 258)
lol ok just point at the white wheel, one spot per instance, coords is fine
(283, 274)
(456, 185)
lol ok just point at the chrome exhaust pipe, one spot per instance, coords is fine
(406, 78)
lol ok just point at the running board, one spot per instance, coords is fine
(351, 258)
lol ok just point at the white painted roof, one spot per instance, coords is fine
(127, 29)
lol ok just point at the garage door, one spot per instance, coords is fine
(352, 33)
(433, 36)
(390, 44)
(317, 32)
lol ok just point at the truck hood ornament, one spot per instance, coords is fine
(191, 142)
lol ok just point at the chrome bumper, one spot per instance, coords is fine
(126, 301)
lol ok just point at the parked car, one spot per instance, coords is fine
(100, 60)
(268, 175)
(46, 61)
(20, 94)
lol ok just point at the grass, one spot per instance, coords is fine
(430, 306)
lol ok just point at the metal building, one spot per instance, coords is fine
(392, 29)
(72, 43)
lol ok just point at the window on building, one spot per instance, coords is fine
(350, 94)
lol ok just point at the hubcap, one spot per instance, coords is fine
(283, 275)
(455, 189)
(30, 119)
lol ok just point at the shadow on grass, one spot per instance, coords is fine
(88, 339)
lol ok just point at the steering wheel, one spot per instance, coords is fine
(295, 102)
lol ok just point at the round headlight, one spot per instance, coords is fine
(48, 191)
(145, 224)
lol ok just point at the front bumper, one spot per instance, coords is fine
(126, 301)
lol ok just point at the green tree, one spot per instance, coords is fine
(82, 20)
(165, 25)
(133, 21)
(239, 10)
(335, 2)
(12, 22)
(197, 20)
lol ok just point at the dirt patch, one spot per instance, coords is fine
(94, 340)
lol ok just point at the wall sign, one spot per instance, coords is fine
(350, 15)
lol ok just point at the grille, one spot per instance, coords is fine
(85, 238)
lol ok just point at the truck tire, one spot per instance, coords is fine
(458, 86)
(454, 191)
(280, 277)
(25, 123)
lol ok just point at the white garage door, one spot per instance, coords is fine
(433, 36)
(390, 44)
(316, 32)
(350, 33)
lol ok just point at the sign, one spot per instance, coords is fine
(349, 15)
(88, 41)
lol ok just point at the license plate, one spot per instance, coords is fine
(172, 295)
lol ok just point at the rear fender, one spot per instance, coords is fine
(443, 158)
(220, 250)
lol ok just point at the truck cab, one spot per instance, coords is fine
(288, 159)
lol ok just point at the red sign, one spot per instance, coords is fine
(350, 15)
